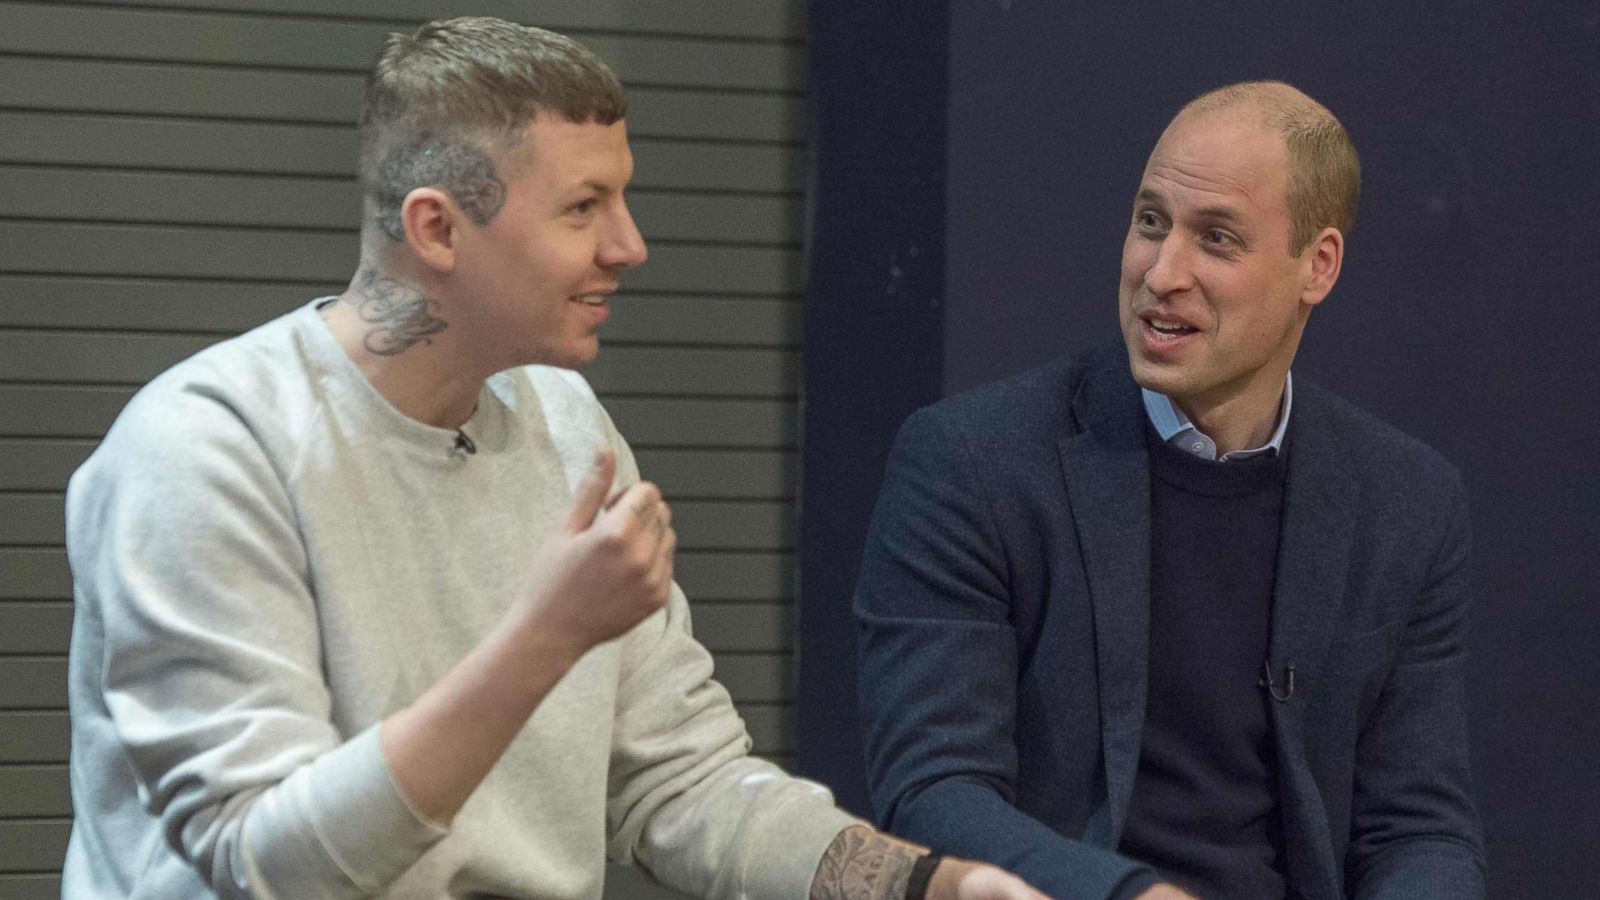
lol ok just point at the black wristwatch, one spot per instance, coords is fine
(921, 874)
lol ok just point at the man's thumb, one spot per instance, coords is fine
(591, 494)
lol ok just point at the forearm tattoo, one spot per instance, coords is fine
(862, 864)
(400, 316)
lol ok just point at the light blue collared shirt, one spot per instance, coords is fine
(1176, 429)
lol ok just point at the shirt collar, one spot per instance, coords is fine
(1175, 428)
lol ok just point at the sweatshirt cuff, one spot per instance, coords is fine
(358, 818)
(783, 861)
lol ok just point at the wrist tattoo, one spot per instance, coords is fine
(862, 864)
(401, 317)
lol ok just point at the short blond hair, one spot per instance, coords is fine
(1324, 171)
(442, 103)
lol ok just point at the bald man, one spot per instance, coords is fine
(1161, 620)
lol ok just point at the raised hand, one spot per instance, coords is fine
(608, 568)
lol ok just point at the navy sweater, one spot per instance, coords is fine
(1204, 810)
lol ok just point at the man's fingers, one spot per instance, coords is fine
(591, 495)
(664, 557)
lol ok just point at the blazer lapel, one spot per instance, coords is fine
(1106, 467)
(1313, 559)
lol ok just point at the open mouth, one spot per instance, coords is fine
(591, 299)
(1167, 329)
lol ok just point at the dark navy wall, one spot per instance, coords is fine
(1463, 314)
(873, 328)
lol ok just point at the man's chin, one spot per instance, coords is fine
(1163, 379)
(566, 357)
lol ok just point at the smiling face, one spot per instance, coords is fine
(532, 283)
(1211, 301)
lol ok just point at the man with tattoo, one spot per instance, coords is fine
(372, 601)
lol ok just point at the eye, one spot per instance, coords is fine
(583, 207)
(1148, 220)
(1217, 239)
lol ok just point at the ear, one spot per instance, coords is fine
(430, 218)
(1323, 258)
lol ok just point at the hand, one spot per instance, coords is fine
(1165, 892)
(607, 569)
(963, 879)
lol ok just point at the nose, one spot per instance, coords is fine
(623, 246)
(1171, 271)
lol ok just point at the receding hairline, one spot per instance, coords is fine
(1324, 172)
(1277, 104)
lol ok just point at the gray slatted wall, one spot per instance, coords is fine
(172, 173)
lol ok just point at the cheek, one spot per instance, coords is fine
(1137, 257)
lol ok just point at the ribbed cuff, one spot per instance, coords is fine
(782, 861)
(340, 815)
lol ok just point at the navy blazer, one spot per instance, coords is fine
(1003, 612)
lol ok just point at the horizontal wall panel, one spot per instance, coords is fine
(33, 465)
(181, 199)
(713, 217)
(171, 251)
(704, 371)
(735, 627)
(87, 411)
(31, 887)
(728, 576)
(31, 519)
(34, 792)
(60, 411)
(142, 304)
(771, 727)
(727, 525)
(721, 423)
(33, 844)
(95, 358)
(255, 94)
(756, 677)
(52, 138)
(708, 474)
(34, 736)
(208, 37)
(749, 321)
(46, 465)
(756, 19)
(330, 150)
(106, 358)
(34, 574)
(221, 307)
(46, 627)
(38, 519)
(296, 202)
(33, 682)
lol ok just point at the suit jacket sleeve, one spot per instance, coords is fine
(938, 672)
(1414, 828)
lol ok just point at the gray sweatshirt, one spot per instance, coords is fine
(270, 559)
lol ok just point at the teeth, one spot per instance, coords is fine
(1164, 325)
(591, 299)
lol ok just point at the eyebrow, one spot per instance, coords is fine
(1213, 213)
(1150, 195)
